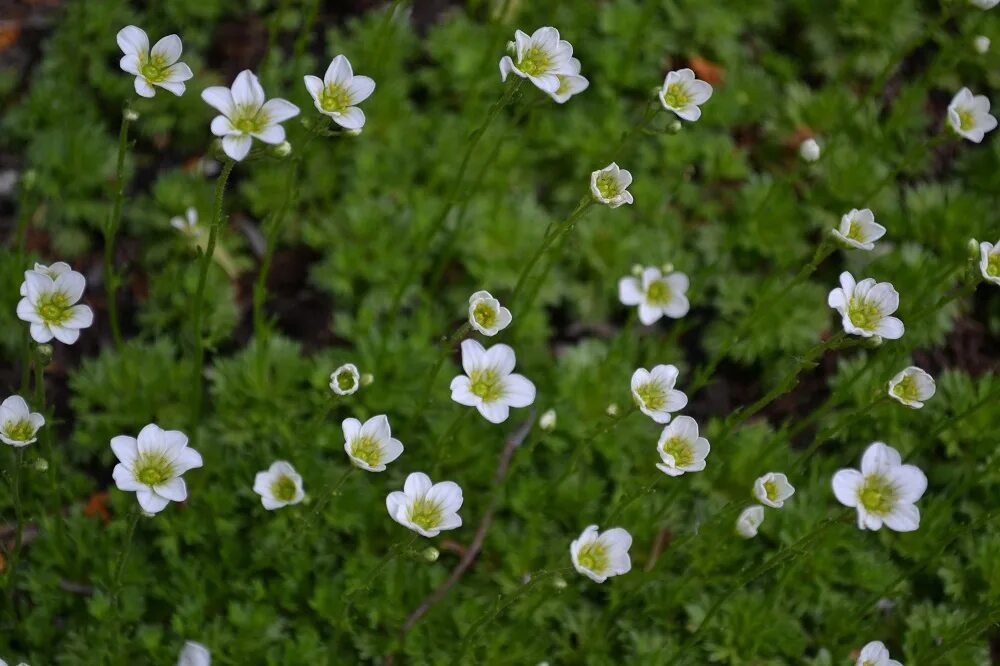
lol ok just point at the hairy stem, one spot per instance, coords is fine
(111, 278)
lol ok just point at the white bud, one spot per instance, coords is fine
(809, 150)
(353, 132)
(131, 115)
(430, 554)
(41, 465)
(283, 149)
(981, 43)
(637, 269)
(548, 421)
(611, 410)
(559, 583)
(667, 267)
(367, 379)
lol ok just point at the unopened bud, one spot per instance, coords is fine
(809, 150)
(874, 341)
(611, 410)
(353, 132)
(430, 554)
(973, 248)
(131, 115)
(674, 127)
(667, 267)
(283, 149)
(511, 48)
(981, 44)
(548, 421)
(41, 465)
(44, 354)
(637, 269)
(367, 379)
(559, 583)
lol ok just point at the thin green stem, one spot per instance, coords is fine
(111, 278)
(331, 491)
(15, 554)
(394, 551)
(449, 434)
(116, 582)
(447, 345)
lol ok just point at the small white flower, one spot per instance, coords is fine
(985, 4)
(610, 186)
(187, 225)
(654, 393)
(865, 307)
(600, 555)
(884, 491)
(151, 466)
(981, 44)
(540, 58)
(989, 261)
(912, 387)
(194, 654)
(18, 424)
(547, 422)
(426, 508)
(570, 83)
(859, 229)
(153, 67)
(680, 447)
(279, 486)
(339, 92)
(749, 521)
(371, 446)
(486, 315)
(49, 304)
(809, 150)
(345, 379)
(682, 93)
(875, 654)
(773, 489)
(488, 383)
(969, 115)
(247, 115)
(657, 294)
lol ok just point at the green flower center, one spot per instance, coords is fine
(906, 388)
(607, 185)
(854, 232)
(484, 315)
(425, 513)
(877, 494)
(153, 468)
(154, 69)
(335, 98)
(676, 96)
(993, 264)
(249, 120)
(679, 448)
(771, 490)
(593, 556)
(651, 395)
(284, 489)
(863, 313)
(486, 384)
(366, 450)
(345, 380)
(966, 121)
(53, 307)
(535, 61)
(658, 292)
(19, 431)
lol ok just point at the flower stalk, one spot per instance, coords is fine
(111, 278)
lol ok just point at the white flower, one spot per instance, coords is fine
(859, 229)
(279, 486)
(53, 271)
(682, 93)
(426, 508)
(345, 379)
(970, 115)
(912, 387)
(18, 424)
(875, 654)
(989, 261)
(653, 390)
(985, 4)
(153, 67)
(339, 92)
(865, 307)
(680, 447)
(749, 521)
(371, 446)
(570, 83)
(540, 59)
(246, 115)
(773, 489)
(809, 150)
(656, 294)
(547, 422)
(187, 225)
(610, 186)
(194, 654)
(884, 491)
(981, 43)
(486, 315)
(152, 465)
(488, 384)
(49, 304)
(4, 663)
(600, 555)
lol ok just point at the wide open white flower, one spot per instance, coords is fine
(570, 83)
(279, 486)
(749, 521)
(247, 115)
(809, 150)
(884, 491)
(371, 445)
(152, 465)
(539, 58)
(426, 508)
(969, 115)
(153, 67)
(912, 387)
(194, 654)
(682, 93)
(339, 92)
(486, 315)
(610, 186)
(18, 424)
(865, 307)
(600, 555)
(859, 229)
(680, 447)
(773, 489)
(49, 305)
(53, 271)
(875, 654)
(989, 261)
(345, 380)
(488, 383)
(654, 393)
(656, 294)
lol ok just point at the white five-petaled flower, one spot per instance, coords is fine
(279, 486)
(488, 383)
(912, 387)
(153, 67)
(682, 93)
(680, 447)
(600, 555)
(610, 186)
(194, 654)
(345, 380)
(152, 465)
(859, 229)
(187, 225)
(866, 307)
(18, 424)
(426, 508)
(989, 261)
(656, 294)
(875, 654)
(486, 315)
(371, 445)
(540, 58)
(570, 83)
(247, 115)
(749, 521)
(49, 304)
(809, 150)
(773, 489)
(969, 115)
(339, 92)
(884, 491)
(985, 4)
(654, 393)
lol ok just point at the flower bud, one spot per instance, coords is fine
(44, 354)
(41, 465)
(667, 268)
(353, 132)
(430, 554)
(511, 48)
(673, 127)
(637, 269)
(548, 421)
(283, 149)
(874, 341)
(981, 43)
(559, 583)
(809, 150)
(611, 410)
(131, 115)
(367, 379)
(973, 248)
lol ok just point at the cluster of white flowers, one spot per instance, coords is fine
(547, 61)
(771, 490)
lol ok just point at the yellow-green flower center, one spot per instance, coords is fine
(53, 307)
(863, 313)
(593, 556)
(658, 293)
(993, 264)
(366, 450)
(154, 69)
(607, 185)
(249, 119)
(855, 232)
(425, 513)
(153, 468)
(771, 490)
(906, 388)
(652, 395)
(484, 315)
(877, 495)
(335, 98)
(486, 384)
(680, 449)
(966, 121)
(345, 380)
(677, 96)
(19, 431)
(534, 61)
(284, 489)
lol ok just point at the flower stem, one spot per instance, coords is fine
(331, 491)
(447, 345)
(15, 554)
(449, 434)
(394, 551)
(116, 583)
(111, 278)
